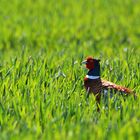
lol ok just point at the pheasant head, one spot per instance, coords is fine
(93, 65)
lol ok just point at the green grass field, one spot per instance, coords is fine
(42, 44)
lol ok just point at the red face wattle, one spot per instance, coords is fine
(89, 63)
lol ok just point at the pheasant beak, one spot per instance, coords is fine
(84, 62)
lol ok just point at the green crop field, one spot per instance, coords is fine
(42, 44)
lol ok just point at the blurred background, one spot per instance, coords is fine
(105, 27)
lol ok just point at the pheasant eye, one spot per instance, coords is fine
(90, 61)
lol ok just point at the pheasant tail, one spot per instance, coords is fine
(109, 85)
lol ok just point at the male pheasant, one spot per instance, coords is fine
(94, 84)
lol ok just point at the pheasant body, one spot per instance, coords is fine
(94, 84)
(98, 85)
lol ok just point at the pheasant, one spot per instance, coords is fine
(94, 84)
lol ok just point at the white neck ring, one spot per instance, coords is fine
(92, 77)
